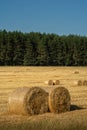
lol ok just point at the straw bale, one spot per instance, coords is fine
(80, 82)
(46, 82)
(77, 82)
(59, 100)
(76, 72)
(57, 82)
(50, 82)
(85, 82)
(28, 101)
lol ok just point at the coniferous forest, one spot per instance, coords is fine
(37, 49)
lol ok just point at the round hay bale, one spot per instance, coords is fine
(85, 82)
(76, 72)
(80, 83)
(46, 82)
(57, 82)
(28, 101)
(50, 82)
(59, 100)
(75, 82)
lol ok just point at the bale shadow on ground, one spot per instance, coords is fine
(75, 107)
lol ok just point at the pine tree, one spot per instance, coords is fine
(29, 54)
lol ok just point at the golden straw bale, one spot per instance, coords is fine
(85, 82)
(75, 82)
(57, 82)
(76, 72)
(59, 100)
(80, 83)
(50, 82)
(46, 82)
(28, 101)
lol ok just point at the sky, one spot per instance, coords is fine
(62, 17)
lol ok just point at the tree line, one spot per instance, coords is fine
(41, 49)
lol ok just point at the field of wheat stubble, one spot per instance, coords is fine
(14, 77)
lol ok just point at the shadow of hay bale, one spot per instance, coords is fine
(75, 107)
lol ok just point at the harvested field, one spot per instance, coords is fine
(16, 77)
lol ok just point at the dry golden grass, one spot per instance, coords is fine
(14, 77)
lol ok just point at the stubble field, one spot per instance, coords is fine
(14, 77)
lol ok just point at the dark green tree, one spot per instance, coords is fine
(29, 54)
(18, 49)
